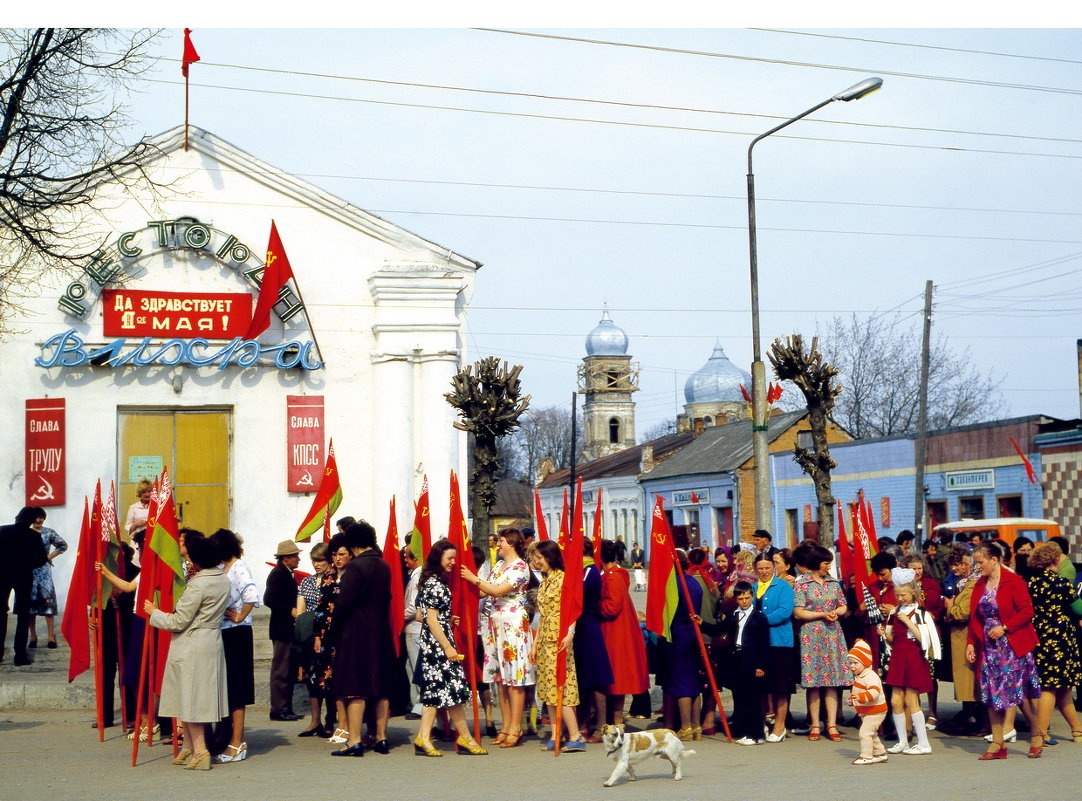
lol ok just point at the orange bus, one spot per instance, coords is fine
(1002, 528)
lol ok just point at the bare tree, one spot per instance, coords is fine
(817, 380)
(878, 361)
(658, 429)
(489, 401)
(545, 433)
(60, 137)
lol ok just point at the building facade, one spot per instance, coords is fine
(146, 361)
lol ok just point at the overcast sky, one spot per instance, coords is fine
(613, 171)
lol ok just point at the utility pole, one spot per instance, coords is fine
(922, 416)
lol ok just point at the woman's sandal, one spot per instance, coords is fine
(425, 748)
(813, 733)
(834, 735)
(512, 740)
(469, 747)
(181, 759)
(1076, 735)
(499, 739)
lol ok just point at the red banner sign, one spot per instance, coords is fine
(304, 442)
(45, 456)
(213, 315)
(884, 512)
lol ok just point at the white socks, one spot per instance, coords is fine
(899, 726)
(919, 729)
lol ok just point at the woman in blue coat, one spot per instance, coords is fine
(774, 597)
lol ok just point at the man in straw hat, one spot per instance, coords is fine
(281, 597)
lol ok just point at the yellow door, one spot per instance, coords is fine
(194, 445)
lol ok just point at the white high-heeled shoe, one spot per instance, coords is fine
(776, 738)
(1009, 737)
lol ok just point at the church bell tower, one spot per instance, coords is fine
(606, 380)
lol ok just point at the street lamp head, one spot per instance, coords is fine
(857, 91)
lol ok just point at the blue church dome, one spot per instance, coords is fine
(607, 339)
(717, 381)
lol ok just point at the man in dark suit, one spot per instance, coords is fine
(23, 552)
(764, 543)
(281, 598)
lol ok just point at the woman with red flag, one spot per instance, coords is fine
(623, 637)
(681, 662)
(548, 649)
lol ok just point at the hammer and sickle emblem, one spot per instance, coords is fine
(44, 492)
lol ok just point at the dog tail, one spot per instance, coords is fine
(688, 752)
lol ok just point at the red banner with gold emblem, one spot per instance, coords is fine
(46, 459)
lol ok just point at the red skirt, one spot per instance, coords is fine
(908, 667)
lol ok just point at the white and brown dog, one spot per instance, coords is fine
(626, 748)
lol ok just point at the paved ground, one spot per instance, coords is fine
(54, 755)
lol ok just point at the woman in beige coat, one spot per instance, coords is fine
(971, 720)
(194, 689)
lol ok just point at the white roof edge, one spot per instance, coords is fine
(340, 209)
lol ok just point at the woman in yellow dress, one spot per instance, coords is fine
(548, 648)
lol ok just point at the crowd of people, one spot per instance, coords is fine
(1000, 622)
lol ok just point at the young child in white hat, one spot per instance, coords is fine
(869, 701)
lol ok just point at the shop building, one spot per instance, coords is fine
(145, 361)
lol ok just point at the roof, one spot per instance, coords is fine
(722, 449)
(514, 498)
(221, 151)
(622, 463)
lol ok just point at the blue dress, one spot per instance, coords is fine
(681, 659)
(42, 591)
(1006, 678)
(591, 656)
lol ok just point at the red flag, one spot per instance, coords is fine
(464, 596)
(845, 552)
(571, 592)
(276, 272)
(565, 524)
(190, 56)
(869, 521)
(542, 529)
(598, 517)
(662, 593)
(421, 535)
(744, 392)
(394, 562)
(74, 623)
(328, 499)
(1030, 474)
(773, 393)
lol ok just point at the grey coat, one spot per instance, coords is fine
(194, 688)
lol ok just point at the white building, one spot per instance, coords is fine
(379, 334)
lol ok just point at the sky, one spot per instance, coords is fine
(586, 165)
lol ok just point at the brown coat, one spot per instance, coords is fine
(956, 615)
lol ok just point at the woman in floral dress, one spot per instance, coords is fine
(42, 590)
(439, 675)
(819, 603)
(322, 668)
(1058, 664)
(1001, 642)
(507, 634)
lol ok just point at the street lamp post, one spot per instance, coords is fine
(758, 369)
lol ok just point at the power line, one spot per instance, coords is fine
(628, 192)
(654, 126)
(617, 103)
(921, 46)
(788, 63)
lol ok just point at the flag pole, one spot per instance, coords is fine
(682, 579)
(99, 672)
(185, 111)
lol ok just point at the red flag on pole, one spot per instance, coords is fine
(276, 272)
(189, 56)
(596, 538)
(465, 597)
(565, 523)
(662, 593)
(571, 592)
(328, 499)
(541, 527)
(421, 535)
(845, 551)
(394, 562)
(1030, 474)
(73, 625)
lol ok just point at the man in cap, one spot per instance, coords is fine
(281, 597)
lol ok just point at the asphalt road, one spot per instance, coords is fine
(55, 756)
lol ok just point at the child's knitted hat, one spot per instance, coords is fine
(862, 652)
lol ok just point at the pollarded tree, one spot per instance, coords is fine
(61, 131)
(488, 396)
(817, 380)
